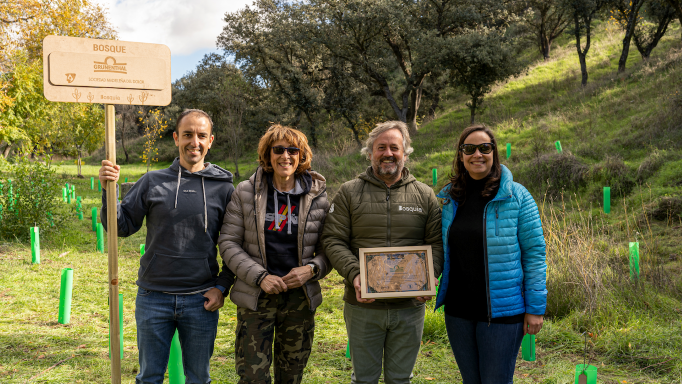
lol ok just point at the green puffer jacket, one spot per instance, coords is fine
(366, 214)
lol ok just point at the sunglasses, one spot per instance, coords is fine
(470, 149)
(278, 150)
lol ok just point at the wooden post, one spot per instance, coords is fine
(112, 236)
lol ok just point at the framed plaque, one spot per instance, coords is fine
(396, 272)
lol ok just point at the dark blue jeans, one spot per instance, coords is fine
(485, 354)
(158, 315)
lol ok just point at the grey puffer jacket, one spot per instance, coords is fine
(242, 240)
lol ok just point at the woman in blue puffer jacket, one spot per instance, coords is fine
(493, 284)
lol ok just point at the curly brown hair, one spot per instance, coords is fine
(458, 178)
(295, 137)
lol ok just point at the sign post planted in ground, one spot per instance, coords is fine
(109, 72)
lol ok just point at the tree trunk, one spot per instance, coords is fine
(236, 167)
(677, 4)
(545, 44)
(413, 109)
(582, 53)
(80, 174)
(123, 137)
(313, 135)
(7, 151)
(629, 31)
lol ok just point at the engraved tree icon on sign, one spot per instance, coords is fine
(76, 95)
(143, 96)
(91, 97)
(131, 98)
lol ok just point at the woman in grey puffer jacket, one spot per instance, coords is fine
(269, 239)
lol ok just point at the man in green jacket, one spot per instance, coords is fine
(383, 207)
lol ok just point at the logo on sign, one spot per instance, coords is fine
(110, 65)
(70, 77)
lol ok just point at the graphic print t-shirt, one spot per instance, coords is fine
(281, 248)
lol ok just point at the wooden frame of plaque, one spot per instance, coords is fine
(395, 272)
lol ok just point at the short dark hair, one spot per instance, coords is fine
(187, 112)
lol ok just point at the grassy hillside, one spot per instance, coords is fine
(622, 131)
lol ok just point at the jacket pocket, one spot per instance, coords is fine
(177, 271)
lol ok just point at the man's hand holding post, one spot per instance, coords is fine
(109, 171)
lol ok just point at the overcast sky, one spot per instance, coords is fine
(189, 27)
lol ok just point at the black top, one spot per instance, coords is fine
(467, 293)
(281, 236)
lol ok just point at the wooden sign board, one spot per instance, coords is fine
(79, 70)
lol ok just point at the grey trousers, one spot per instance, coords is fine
(391, 335)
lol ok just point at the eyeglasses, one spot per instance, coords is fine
(278, 150)
(470, 149)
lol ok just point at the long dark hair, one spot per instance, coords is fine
(458, 180)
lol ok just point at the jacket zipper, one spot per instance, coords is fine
(388, 216)
(497, 231)
(485, 262)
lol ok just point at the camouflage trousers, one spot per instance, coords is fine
(286, 318)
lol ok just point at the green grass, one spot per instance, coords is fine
(636, 328)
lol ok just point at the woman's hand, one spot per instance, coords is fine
(532, 324)
(273, 285)
(298, 276)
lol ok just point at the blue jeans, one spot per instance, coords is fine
(391, 335)
(485, 354)
(158, 315)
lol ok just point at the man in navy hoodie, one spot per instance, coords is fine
(179, 283)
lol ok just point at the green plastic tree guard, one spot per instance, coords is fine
(141, 250)
(176, 374)
(92, 183)
(508, 150)
(348, 349)
(120, 322)
(80, 215)
(607, 199)
(590, 372)
(68, 197)
(126, 180)
(99, 185)
(435, 176)
(65, 296)
(100, 238)
(94, 219)
(558, 146)
(50, 219)
(528, 347)
(64, 194)
(35, 245)
(634, 260)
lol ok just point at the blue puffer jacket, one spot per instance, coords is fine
(515, 251)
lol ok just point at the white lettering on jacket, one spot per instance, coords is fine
(410, 209)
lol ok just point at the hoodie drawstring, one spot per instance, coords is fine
(177, 189)
(277, 215)
(203, 189)
(289, 212)
(274, 191)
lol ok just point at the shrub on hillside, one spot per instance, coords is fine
(29, 196)
(554, 173)
(613, 173)
(651, 164)
(668, 208)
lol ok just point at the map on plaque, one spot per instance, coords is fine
(80, 70)
(396, 272)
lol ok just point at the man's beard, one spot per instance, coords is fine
(396, 169)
